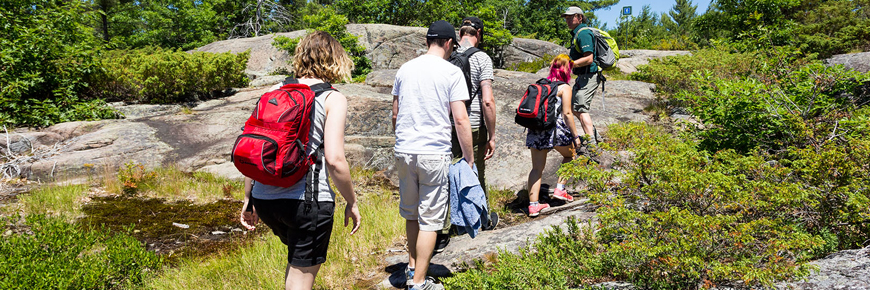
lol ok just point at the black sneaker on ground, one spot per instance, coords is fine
(441, 242)
(493, 222)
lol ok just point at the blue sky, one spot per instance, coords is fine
(658, 7)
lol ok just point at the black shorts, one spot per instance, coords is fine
(306, 233)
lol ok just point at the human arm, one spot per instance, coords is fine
(248, 218)
(489, 115)
(584, 60)
(395, 111)
(463, 130)
(565, 92)
(336, 162)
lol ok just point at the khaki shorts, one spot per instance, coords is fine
(584, 89)
(423, 194)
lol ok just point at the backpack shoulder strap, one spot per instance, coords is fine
(321, 88)
(471, 51)
(289, 80)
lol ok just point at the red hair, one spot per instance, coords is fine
(560, 68)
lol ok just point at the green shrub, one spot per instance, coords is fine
(679, 217)
(806, 107)
(560, 259)
(53, 254)
(673, 74)
(46, 56)
(156, 75)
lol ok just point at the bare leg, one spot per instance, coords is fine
(586, 123)
(567, 155)
(425, 246)
(412, 228)
(300, 278)
(539, 160)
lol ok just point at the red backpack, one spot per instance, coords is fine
(537, 110)
(272, 147)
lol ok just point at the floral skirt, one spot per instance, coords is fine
(547, 139)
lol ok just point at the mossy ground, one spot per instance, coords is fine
(160, 224)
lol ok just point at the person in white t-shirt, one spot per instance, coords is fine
(427, 90)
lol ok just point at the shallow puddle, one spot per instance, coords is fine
(176, 230)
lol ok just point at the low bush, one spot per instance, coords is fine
(560, 259)
(159, 76)
(53, 254)
(673, 74)
(809, 106)
(681, 217)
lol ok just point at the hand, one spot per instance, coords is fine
(490, 149)
(249, 218)
(351, 211)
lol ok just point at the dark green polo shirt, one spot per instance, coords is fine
(585, 40)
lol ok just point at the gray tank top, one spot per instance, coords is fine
(315, 140)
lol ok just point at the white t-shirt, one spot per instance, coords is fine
(425, 86)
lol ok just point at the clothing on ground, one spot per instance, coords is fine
(468, 206)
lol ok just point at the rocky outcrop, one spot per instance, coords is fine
(526, 50)
(200, 138)
(629, 60)
(848, 270)
(264, 58)
(856, 61)
(387, 46)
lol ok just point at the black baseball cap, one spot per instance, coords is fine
(473, 22)
(441, 29)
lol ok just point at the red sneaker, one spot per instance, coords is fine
(563, 195)
(535, 210)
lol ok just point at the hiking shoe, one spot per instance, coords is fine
(429, 284)
(535, 210)
(493, 221)
(409, 277)
(441, 242)
(562, 195)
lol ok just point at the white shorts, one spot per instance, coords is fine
(423, 188)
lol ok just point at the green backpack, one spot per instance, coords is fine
(606, 50)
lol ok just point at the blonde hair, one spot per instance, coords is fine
(319, 55)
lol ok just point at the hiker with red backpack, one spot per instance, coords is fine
(545, 111)
(295, 132)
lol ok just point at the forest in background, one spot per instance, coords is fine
(55, 63)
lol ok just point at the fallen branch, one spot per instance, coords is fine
(12, 165)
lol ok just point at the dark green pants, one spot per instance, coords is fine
(479, 138)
